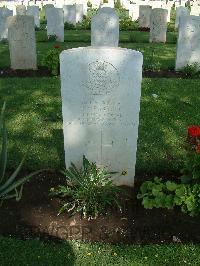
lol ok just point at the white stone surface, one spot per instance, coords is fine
(79, 13)
(55, 23)
(20, 10)
(22, 44)
(35, 12)
(181, 11)
(158, 25)
(134, 12)
(101, 90)
(70, 14)
(144, 16)
(4, 14)
(188, 45)
(105, 28)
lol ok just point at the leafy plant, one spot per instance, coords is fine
(52, 38)
(186, 192)
(191, 70)
(69, 26)
(51, 60)
(89, 190)
(10, 187)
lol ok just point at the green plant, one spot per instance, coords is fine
(52, 38)
(10, 187)
(89, 190)
(51, 60)
(69, 26)
(186, 192)
(191, 70)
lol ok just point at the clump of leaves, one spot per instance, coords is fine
(52, 61)
(10, 186)
(52, 38)
(191, 70)
(160, 194)
(184, 193)
(69, 26)
(89, 190)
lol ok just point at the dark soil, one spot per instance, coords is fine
(36, 216)
(40, 72)
(44, 72)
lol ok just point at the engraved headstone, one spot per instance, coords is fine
(101, 90)
(35, 12)
(4, 14)
(144, 16)
(188, 45)
(55, 23)
(158, 25)
(20, 10)
(181, 12)
(105, 28)
(22, 44)
(70, 14)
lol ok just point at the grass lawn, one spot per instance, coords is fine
(34, 122)
(34, 252)
(164, 54)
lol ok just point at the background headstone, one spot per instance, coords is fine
(158, 25)
(181, 12)
(188, 45)
(101, 90)
(20, 10)
(105, 28)
(4, 14)
(55, 23)
(35, 12)
(22, 44)
(144, 16)
(70, 14)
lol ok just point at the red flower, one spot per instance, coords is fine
(56, 46)
(194, 131)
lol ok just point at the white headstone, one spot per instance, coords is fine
(22, 44)
(188, 45)
(4, 14)
(79, 13)
(144, 16)
(105, 28)
(35, 12)
(70, 14)
(55, 23)
(101, 90)
(180, 11)
(134, 12)
(158, 25)
(20, 10)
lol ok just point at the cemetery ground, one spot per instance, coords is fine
(34, 124)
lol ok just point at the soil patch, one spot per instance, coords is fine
(44, 72)
(40, 72)
(36, 216)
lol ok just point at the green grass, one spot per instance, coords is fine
(164, 53)
(34, 122)
(34, 252)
